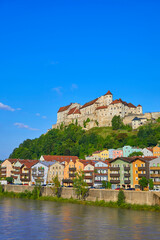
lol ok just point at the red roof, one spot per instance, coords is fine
(101, 107)
(74, 110)
(77, 111)
(139, 105)
(89, 103)
(64, 108)
(50, 158)
(29, 163)
(131, 105)
(71, 111)
(108, 93)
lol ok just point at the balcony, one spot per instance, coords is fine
(141, 168)
(154, 175)
(141, 175)
(114, 181)
(71, 175)
(126, 174)
(127, 181)
(67, 181)
(3, 168)
(126, 168)
(14, 177)
(26, 169)
(72, 169)
(25, 179)
(114, 168)
(154, 168)
(3, 171)
(16, 168)
(25, 174)
(40, 175)
(15, 172)
(88, 177)
(156, 183)
(114, 175)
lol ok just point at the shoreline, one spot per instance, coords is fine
(101, 203)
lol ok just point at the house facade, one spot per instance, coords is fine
(100, 172)
(156, 151)
(56, 169)
(39, 172)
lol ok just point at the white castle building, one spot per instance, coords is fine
(99, 112)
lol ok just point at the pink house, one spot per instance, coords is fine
(117, 153)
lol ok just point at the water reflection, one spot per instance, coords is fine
(27, 219)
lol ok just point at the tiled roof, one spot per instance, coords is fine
(101, 107)
(64, 108)
(108, 93)
(77, 111)
(74, 110)
(29, 163)
(89, 103)
(59, 158)
(139, 105)
(131, 105)
(71, 111)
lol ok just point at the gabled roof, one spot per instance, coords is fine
(131, 159)
(64, 108)
(59, 158)
(74, 110)
(131, 105)
(108, 93)
(30, 163)
(71, 111)
(89, 103)
(139, 105)
(101, 107)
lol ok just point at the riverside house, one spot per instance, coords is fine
(100, 172)
(89, 173)
(39, 172)
(121, 172)
(7, 167)
(21, 172)
(154, 166)
(70, 169)
(56, 169)
(156, 151)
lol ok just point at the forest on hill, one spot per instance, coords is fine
(73, 140)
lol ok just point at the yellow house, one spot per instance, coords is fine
(156, 151)
(104, 154)
(57, 169)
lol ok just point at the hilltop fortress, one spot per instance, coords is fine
(99, 112)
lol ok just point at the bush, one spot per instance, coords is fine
(121, 198)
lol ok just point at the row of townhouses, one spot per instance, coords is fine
(124, 152)
(121, 172)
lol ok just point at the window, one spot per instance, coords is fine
(135, 165)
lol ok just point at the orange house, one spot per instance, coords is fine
(7, 167)
(156, 151)
(140, 167)
(70, 169)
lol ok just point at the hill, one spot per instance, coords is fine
(73, 140)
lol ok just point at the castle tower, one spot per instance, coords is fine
(108, 98)
(139, 109)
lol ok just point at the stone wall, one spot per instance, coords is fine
(133, 197)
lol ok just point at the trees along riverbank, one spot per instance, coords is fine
(36, 195)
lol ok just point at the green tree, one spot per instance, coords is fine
(56, 188)
(151, 185)
(121, 197)
(80, 186)
(9, 179)
(143, 182)
(116, 122)
(135, 154)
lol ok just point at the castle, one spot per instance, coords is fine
(98, 112)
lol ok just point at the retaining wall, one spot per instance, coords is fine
(133, 197)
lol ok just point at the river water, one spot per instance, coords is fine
(29, 219)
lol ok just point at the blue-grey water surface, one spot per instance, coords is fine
(29, 219)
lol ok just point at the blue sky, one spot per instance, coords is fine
(56, 52)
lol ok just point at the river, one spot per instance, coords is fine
(31, 219)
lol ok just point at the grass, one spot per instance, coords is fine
(105, 131)
(102, 203)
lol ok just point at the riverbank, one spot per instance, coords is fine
(100, 203)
